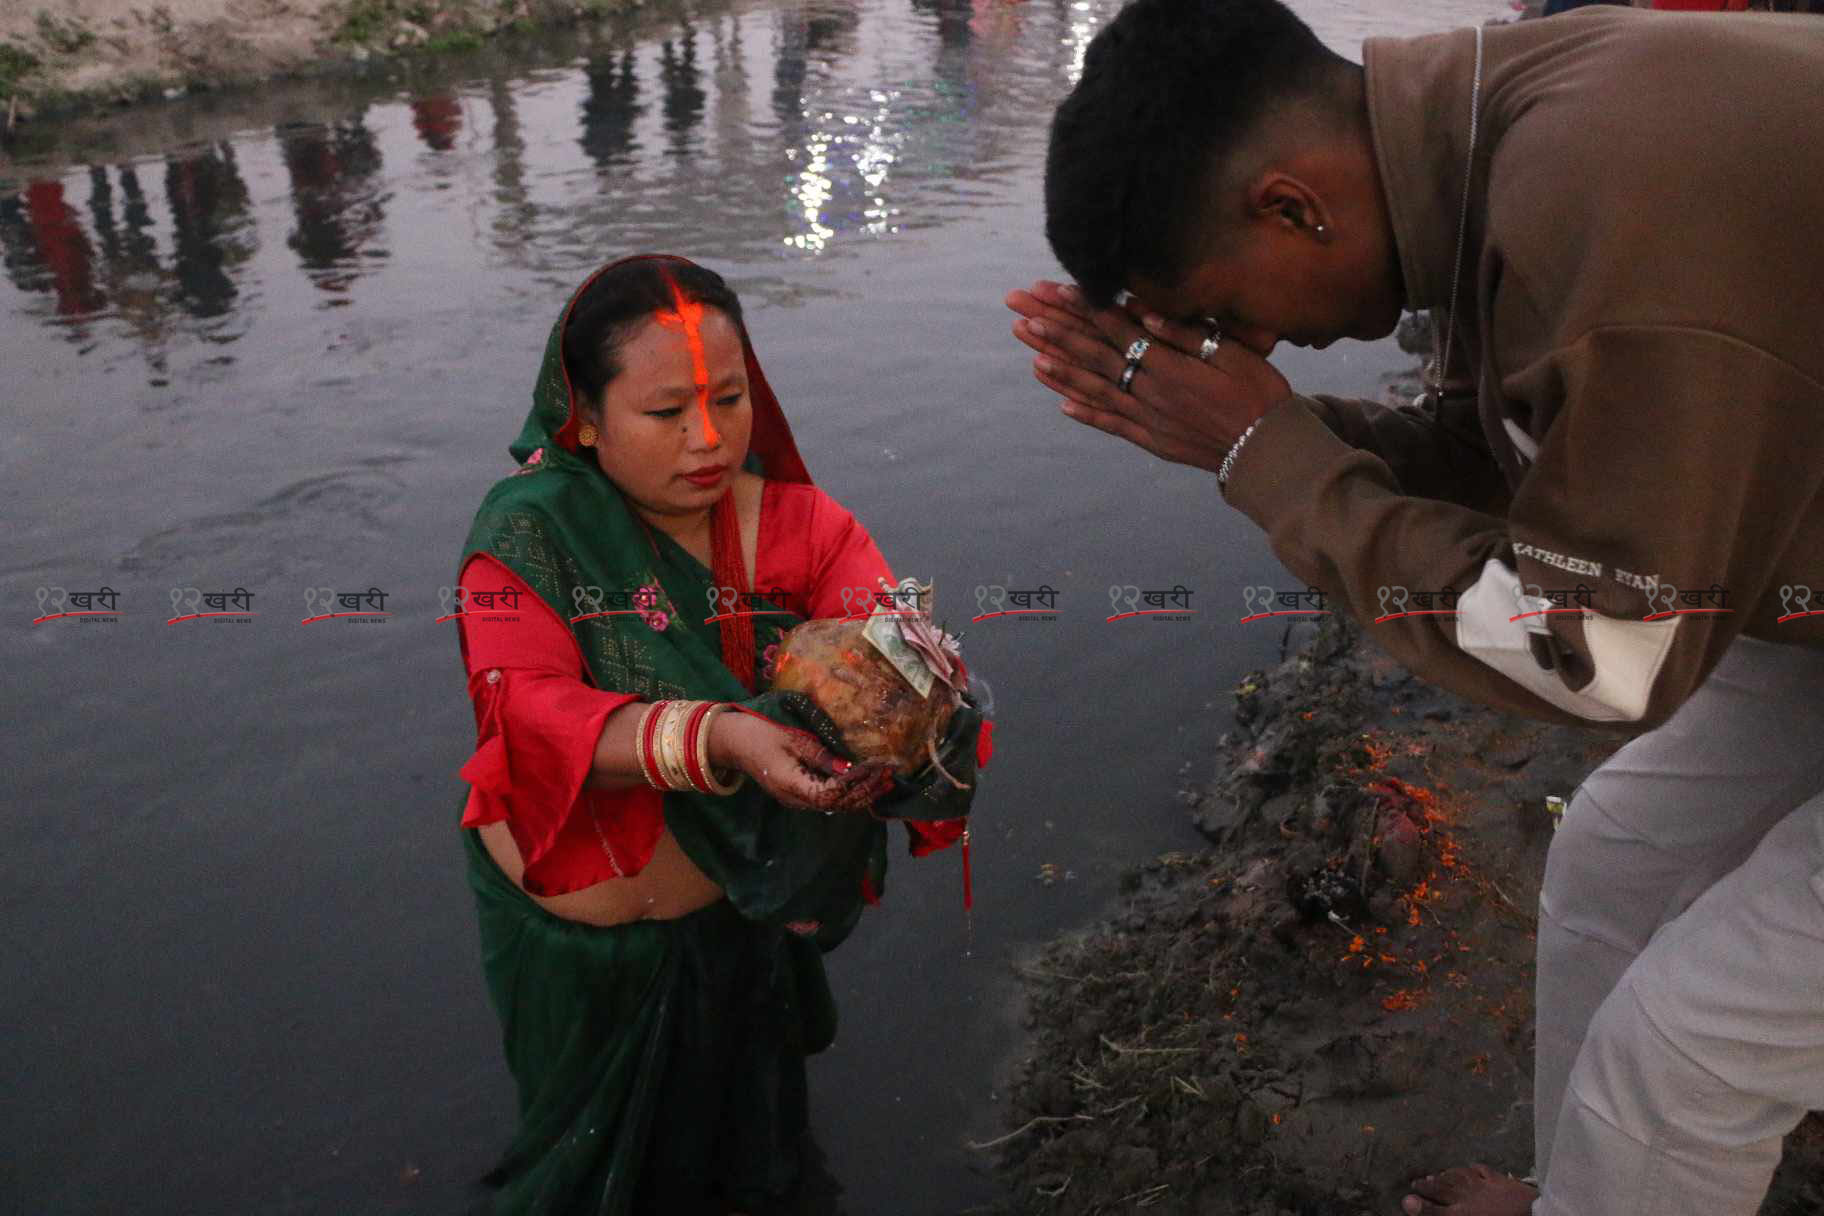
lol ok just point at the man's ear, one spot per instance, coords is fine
(1285, 200)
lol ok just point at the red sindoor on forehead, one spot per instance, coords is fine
(687, 315)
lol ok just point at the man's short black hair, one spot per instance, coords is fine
(1167, 88)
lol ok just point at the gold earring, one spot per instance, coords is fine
(587, 435)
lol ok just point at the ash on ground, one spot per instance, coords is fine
(1337, 996)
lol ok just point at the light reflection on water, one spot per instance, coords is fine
(285, 337)
(823, 122)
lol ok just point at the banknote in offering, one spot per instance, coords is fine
(890, 681)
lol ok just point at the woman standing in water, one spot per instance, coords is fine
(655, 888)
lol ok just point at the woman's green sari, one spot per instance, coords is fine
(660, 1063)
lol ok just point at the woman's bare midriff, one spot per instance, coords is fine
(668, 887)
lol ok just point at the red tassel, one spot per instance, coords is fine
(968, 886)
(730, 570)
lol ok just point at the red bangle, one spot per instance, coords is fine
(694, 765)
(649, 763)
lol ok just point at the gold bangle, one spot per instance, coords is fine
(715, 782)
(684, 743)
(671, 753)
(661, 735)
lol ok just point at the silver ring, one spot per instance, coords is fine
(1136, 351)
(1211, 344)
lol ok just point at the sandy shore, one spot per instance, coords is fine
(1223, 1045)
(73, 54)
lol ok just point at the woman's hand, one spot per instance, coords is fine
(792, 766)
(1178, 407)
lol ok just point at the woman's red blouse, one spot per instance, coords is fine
(538, 718)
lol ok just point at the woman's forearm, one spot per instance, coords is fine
(617, 760)
(790, 766)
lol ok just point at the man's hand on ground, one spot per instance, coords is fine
(1178, 407)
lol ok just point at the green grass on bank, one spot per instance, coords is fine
(374, 23)
(15, 64)
(455, 40)
(64, 36)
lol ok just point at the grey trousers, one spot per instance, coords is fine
(1680, 998)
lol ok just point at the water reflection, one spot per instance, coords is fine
(838, 170)
(684, 96)
(47, 250)
(128, 248)
(118, 269)
(336, 199)
(129, 258)
(611, 109)
(733, 118)
(1084, 22)
(829, 31)
(437, 119)
(518, 214)
(870, 106)
(952, 22)
(214, 233)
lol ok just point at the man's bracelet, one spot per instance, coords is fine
(1228, 462)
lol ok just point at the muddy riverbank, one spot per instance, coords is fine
(77, 56)
(1335, 997)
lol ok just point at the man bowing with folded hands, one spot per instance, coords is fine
(1626, 407)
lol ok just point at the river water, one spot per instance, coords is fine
(278, 341)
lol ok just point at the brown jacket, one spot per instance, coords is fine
(1641, 319)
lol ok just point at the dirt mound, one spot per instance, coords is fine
(1339, 996)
